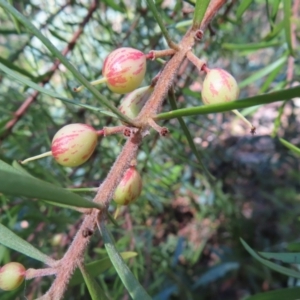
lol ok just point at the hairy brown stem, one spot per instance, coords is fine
(129, 152)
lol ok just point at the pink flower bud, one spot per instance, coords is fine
(219, 87)
(130, 187)
(73, 144)
(132, 103)
(124, 70)
(11, 276)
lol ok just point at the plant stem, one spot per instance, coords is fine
(25, 161)
(95, 82)
(243, 103)
(199, 63)
(242, 117)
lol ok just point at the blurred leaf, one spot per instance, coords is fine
(12, 241)
(290, 258)
(133, 287)
(270, 79)
(214, 273)
(271, 265)
(290, 146)
(252, 46)
(18, 167)
(243, 7)
(55, 34)
(287, 7)
(29, 186)
(295, 247)
(114, 5)
(275, 31)
(12, 66)
(282, 294)
(263, 72)
(97, 267)
(94, 288)
(276, 4)
(189, 138)
(50, 93)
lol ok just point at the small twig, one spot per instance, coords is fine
(199, 63)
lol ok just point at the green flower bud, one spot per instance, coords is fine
(130, 187)
(132, 103)
(11, 276)
(219, 87)
(123, 70)
(73, 144)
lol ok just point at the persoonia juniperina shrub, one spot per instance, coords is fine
(123, 72)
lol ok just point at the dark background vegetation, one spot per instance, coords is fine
(186, 232)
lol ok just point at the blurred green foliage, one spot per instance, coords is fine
(185, 230)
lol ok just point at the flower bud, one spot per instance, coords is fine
(130, 187)
(11, 276)
(124, 70)
(219, 87)
(132, 103)
(73, 144)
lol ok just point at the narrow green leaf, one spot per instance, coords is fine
(56, 53)
(282, 294)
(263, 72)
(243, 7)
(12, 66)
(276, 4)
(160, 23)
(271, 77)
(50, 93)
(97, 267)
(275, 31)
(18, 167)
(199, 12)
(189, 138)
(251, 46)
(290, 146)
(133, 287)
(287, 7)
(12, 241)
(247, 102)
(114, 5)
(59, 37)
(269, 264)
(94, 288)
(290, 258)
(15, 182)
